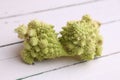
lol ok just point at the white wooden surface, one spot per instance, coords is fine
(58, 12)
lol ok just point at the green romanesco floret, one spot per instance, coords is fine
(22, 31)
(40, 42)
(81, 38)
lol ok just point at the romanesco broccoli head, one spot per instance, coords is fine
(82, 38)
(40, 42)
(79, 38)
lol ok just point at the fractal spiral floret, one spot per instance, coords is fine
(79, 38)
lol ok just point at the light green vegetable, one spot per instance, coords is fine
(78, 38)
(81, 38)
(40, 42)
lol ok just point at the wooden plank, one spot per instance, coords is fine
(111, 37)
(20, 70)
(60, 17)
(15, 7)
(10, 51)
(107, 68)
(15, 68)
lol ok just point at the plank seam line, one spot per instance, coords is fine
(6, 45)
(49, 9)
(8, 58)
(66, 66)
